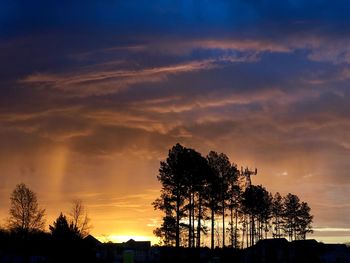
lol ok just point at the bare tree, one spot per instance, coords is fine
(25, 214)
(79, 218)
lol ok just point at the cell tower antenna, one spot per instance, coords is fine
(247, 173)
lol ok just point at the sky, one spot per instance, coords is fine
(93, 94)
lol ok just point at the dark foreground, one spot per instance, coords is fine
(42, 248)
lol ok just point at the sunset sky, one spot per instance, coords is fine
(94, 93)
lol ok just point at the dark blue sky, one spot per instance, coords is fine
(180, 17)
(89, 88)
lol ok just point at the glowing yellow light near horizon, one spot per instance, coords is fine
(125, 238)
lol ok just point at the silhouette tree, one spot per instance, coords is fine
(264, 213)
(25, 214)
(62, 230)
(222, 169)
(167, 231)
(304, 221)
(195, 170)
(256, 203)
(189, 181)
(291, 205)
(171, 176)
(67, 242)
(195, 189)
(277, 215)
(297, 218)
(198, 173)
(212, 198)
(234, 194)
(79, 218)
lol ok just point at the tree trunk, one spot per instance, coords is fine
(177, 241)
(190, 221)
(212, 228)
(199, 222)
(223, 223)
(193, 220)
(252, 231)
(231, 228)
(243, 232)
(247, 229)
(236, 218)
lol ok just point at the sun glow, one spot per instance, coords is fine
(125, 238)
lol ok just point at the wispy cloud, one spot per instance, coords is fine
(101, 81)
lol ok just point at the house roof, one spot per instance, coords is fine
(92, 240)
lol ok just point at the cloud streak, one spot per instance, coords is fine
(102, 82)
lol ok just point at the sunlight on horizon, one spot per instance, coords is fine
(154, 240)
(125, 238)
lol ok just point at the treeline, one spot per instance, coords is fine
(25, 233)
(210, 194)
(25, 215)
